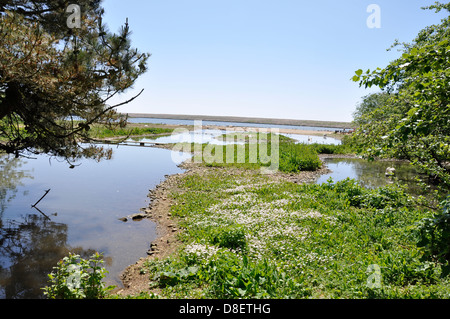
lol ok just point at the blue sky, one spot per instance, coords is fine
(259, 58)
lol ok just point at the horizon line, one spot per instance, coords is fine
(241, 119)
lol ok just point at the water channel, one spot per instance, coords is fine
(81, 212)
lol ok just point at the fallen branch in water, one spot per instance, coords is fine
(42, 213)
(46, 193)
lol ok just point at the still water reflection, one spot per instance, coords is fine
(371, 174)
(80, 214)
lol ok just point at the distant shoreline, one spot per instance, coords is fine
(254, 120)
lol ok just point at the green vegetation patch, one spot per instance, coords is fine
(105, 132)
(248, 236)
(259, 151)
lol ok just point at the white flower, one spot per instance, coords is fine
(202, 251)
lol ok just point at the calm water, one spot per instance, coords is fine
(80, 214)
(370, 174)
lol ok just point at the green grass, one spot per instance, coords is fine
(343, 148)
(295, 158)
(104, 132)
(282, 154)
(247, 236)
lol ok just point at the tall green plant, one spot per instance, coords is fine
(77, 278)
(435, 233)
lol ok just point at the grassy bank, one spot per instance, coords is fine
(263, 151)
(247, 235)
(101, 131)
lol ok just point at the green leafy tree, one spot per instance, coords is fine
(417, 126)
(370, 103)
(56, 80)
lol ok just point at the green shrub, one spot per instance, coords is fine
(379, 198)
(236, 278)
(385, 196)
(293, 158)
(298, 157)
(224, 275)
(77, 278)
(232, 237)
(348, 188)
(103, 132)
(405, 267)
(435, 233)
(343, 148)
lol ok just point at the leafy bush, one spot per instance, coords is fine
(405, 268)
(298, 157)
(224, 275)
(379, 198)
(435, 233)
(232, 237)
(349, 189)
(77, 278)
(103, 132)
(232, 277)
(343, 148)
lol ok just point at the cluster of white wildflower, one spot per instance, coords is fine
(314, 257)
(247, 186)
(240, 199)
(267, 222)
(201, 251)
